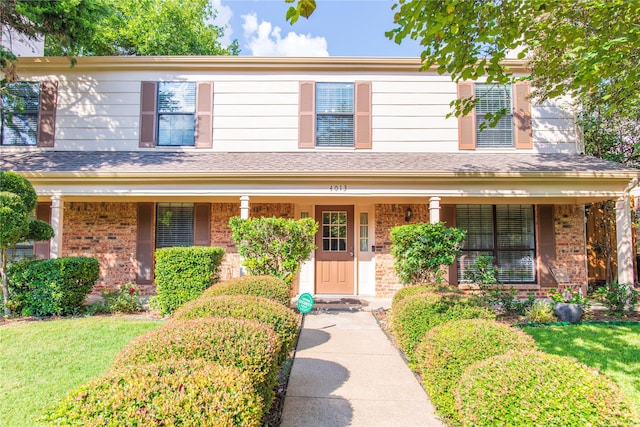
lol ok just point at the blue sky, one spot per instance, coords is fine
(337, 28)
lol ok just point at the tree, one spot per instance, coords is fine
(274, 246)
(152, 27)
(574, 48)
(18, 200)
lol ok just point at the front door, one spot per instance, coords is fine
(335, 249)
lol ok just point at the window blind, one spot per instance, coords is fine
(20, 114)
(492, 99)
(334, 114)
(174, 224)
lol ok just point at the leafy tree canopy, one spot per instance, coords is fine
(152, 27)
(573, 47)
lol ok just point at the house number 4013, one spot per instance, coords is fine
(340, 187)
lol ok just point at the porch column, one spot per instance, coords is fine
(244, 207)
(434, 210)
(57, 211)
(623, 236)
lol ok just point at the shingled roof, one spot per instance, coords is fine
(312, 163)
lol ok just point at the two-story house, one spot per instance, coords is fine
(131, 154)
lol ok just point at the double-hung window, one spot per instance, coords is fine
(174, 224)
(176, 113)
(20, 114)
(334, 114)
(494, 99)
(505, 232)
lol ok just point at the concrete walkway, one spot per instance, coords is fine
(346, 372)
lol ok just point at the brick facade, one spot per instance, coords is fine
(107, 232)
(569, 236)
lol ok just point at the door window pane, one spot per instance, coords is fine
(334, 231)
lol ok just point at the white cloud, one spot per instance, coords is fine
(265, 40)
(223, 18)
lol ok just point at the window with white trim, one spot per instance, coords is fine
(20, 114)
(174, 224)
(493, 99)
(176, 113)
(364, 231)
(334, 114)
(505, 232)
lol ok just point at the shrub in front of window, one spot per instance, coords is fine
(249, 345)
(448, 349)
(17, 200)
(408, 291)
(421, 251)
(183, 273)
(538, 389)
(171, 392)
(48, 287)
(412, 317)
(261, 286)
(274, 246)
(283, 320)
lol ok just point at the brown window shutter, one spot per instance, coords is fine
(144, 243)
(42, 249)
(202, 224)
(204, 115)
(466, 124)
(362, 119)
(522, 116)
(546, 245)
(306, 115)
(47, 116)
(148, 101)
(448, 216)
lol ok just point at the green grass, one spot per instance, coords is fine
(614, 349)
(41, 361)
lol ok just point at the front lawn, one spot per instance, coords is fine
(614, 349)
(42, 360)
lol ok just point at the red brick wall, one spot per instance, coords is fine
(388, 216)
(107, 232)
(570, 242)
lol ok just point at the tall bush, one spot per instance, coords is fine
(183, 273)
(51, 286)
(422, 250)
(274, 246)
(18, 200)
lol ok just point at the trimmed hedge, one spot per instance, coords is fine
(261, 286)
(413, 316)
(411, 290)
(183, 273)
(47, 287)
(283, 320)
(538, 389)
(248, 345)
(448, 349)
(175, 392)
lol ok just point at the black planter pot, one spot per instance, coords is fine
(568, 312)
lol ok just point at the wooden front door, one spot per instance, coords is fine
(335, 250)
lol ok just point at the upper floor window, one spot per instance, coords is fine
(494, 99)
(334, 115)
(20, 114)
(176, 113)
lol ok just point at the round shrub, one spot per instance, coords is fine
(416, 314)
(261, 286)
(448, 349)
(283, 320)
(180, 392)
(408, 291)
(249, 345)
(538, 389)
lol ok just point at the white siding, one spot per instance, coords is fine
(256, 111)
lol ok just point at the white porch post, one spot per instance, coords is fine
(623, 235)
(244, 207)
(434, 210)
(57, 213)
